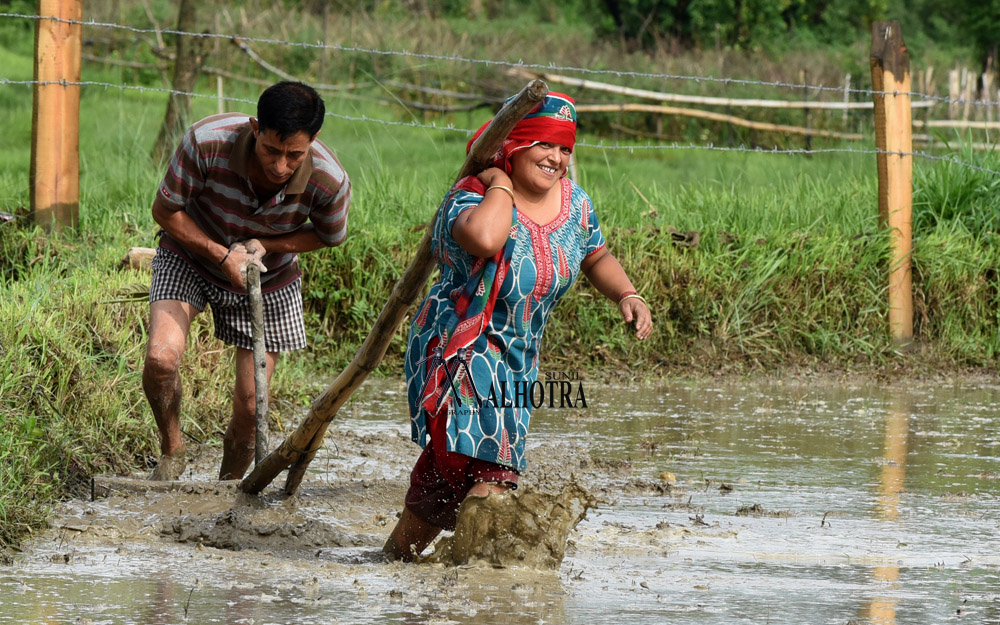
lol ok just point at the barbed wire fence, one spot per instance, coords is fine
(600, 145)
(546, 67)
(893, 122)
(549, 67)
(630, 147)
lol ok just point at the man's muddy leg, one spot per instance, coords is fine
(170, 321)
(238, 445)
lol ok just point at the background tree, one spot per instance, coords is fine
(982, 19)
(187, 65)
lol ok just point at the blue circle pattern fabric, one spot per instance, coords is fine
(544, 264)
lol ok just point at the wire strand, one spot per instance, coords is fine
(597, 146)
(141, 88)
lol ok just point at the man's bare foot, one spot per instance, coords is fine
(170, 468)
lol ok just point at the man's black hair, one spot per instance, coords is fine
(288, 107)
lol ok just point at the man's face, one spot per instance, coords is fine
(279, 159)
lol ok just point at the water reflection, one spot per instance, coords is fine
(163, 609)
(881, 609)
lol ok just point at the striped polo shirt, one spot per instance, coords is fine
(209, 179)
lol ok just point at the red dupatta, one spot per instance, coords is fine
(471, 314)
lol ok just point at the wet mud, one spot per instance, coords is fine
(248, 525)
(349, 506)
(705, 505)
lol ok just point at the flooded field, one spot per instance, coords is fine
(779, 503)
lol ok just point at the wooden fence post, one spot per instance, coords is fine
(55, 116)
(847, 97)
(929, 89)
(803, 77)
(954, 93)
(985, 96)
(968, 92)
(890, 65)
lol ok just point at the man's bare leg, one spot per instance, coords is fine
(238, 445)
(169, 323)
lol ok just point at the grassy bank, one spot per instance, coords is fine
(789, 271)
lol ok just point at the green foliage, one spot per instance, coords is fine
(18, 34)
(970, 24)
(948, 195)
(741, 24)
(982, 18)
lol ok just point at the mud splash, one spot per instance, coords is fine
(524, 527)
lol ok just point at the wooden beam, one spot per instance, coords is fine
(696, 99)
(719, 117)
(950, 123)
(55, 117)
(890, 66)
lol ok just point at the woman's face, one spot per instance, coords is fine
(539, 167)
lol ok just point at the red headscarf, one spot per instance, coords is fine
(552, 121)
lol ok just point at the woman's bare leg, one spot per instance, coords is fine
(482, 489)
(410, 536)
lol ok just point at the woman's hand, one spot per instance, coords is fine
(495, 176)
(635, 309)
(483, 230)
(606, 274)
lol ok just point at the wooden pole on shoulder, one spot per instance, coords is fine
(54, 175)
(890, 65)
(299, 448)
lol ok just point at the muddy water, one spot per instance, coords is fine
(781, 503)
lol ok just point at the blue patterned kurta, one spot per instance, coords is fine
(545, 262)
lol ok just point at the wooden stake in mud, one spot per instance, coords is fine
(299, 448)
(890, 65)
(55, 119)
(259, 360)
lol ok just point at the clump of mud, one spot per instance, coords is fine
(524, 527)
(757, 510)
(250, 526)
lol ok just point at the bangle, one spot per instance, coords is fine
(633, 296)
(223, 261)
(509, 191)
(624, 295)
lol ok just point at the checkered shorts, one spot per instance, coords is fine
(284, 329)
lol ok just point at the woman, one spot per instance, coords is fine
(509, 242)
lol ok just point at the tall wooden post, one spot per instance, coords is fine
(55, 117)
(890, 65)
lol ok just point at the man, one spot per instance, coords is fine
(239, 190)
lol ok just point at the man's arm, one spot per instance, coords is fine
(304, 239)
(185, 231)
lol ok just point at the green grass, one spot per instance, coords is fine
(790, 271)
